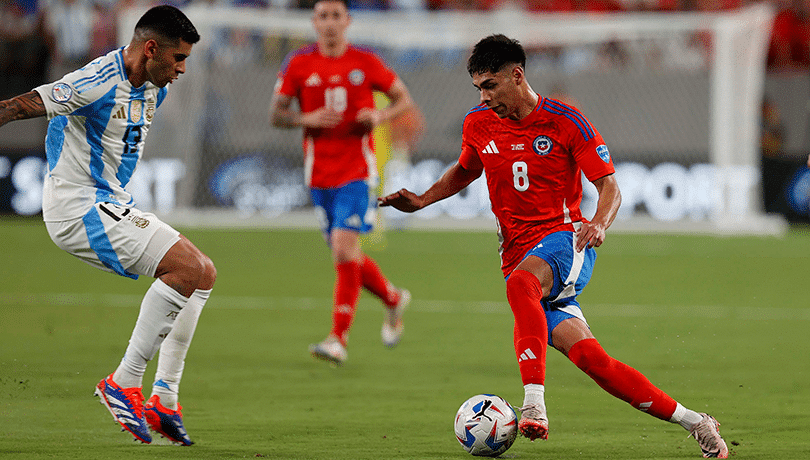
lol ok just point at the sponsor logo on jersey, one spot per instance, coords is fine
(357, 77)
(61, 92)
(313, 80)
(518, 147)
(542, 145)
(603, 153)
(526, 355)
(490, 148)
(335, 79)
(135, 110)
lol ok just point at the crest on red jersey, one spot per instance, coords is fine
(542, 145)
(356, 77)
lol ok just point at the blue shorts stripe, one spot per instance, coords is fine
(100, 243)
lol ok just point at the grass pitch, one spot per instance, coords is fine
(718, 323)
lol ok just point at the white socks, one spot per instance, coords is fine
(534, 394)
(171, 360)
(685, 417)
(160, 307)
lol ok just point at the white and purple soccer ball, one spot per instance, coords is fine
(486, 425)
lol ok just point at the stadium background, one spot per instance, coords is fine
(652, 94)
(719, 322)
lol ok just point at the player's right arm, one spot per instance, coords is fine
(24, 106)
(453, 181)
(284, 116)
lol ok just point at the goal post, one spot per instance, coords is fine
(676, 95)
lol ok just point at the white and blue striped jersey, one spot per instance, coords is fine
(98, 125)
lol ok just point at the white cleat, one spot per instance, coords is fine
(707, 433)
(330, 349)
(392, 326)
(533, 422)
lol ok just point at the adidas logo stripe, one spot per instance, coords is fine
(121, 113)
(527, 354)
(491, 148)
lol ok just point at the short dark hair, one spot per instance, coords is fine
(493, 52)
(169, 23)
(344, 2)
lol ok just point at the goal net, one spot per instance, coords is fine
(676, 96)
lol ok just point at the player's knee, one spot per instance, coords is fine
(204, 271)
(589, 356)
(521, 281)
(209, 273)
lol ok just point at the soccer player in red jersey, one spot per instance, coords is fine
(533, 151)
(334, 82)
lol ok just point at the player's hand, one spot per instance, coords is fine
(404, 200)
(590, 235)
(369, 118)
(323, 117)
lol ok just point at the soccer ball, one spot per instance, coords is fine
(486, 425)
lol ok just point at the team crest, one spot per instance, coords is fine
(61, 92)
(603, 153)
(357, 77)
(135, 110)
(542, 145)
(150, 111)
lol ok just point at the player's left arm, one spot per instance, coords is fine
(24, 106)
(592, 234)
(401, 101)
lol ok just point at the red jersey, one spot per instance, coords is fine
(533, 170)
(336, 156)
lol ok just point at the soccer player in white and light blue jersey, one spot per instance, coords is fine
(99, 118)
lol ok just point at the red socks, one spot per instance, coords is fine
(524, 294)
(621, 380)
(347, 291)
(375, 282)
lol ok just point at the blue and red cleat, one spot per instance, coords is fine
(167, 422)
(126, 407)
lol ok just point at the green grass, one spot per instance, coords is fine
(718, 323)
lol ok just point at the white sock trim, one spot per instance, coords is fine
(534, 394)
(685, 417)
(160, 307)
(172, 357)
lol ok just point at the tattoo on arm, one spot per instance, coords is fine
(24, 106)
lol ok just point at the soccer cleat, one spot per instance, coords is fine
(330, 349)
(392, 325)
(167, 422)
(126, 407)
(533, 423)
(707, 433)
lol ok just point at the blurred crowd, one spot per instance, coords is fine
(43, 39)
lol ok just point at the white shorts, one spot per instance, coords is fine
(116, 239)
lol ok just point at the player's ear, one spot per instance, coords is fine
(150, 48)
(518, 74)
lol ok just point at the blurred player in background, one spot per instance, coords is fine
(334, 82)
(534, 150)
(99, 117)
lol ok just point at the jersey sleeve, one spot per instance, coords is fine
(594, 158)
(286, 84)
(64, 96)
(381, 76)
(469, 158)
(589, 148)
